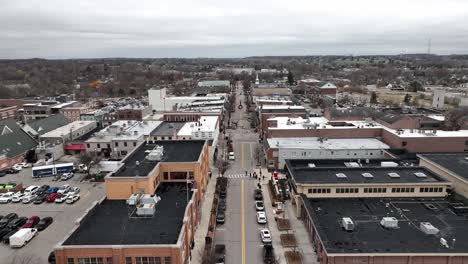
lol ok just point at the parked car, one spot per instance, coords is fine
(66, 176)
(222, 205)
(72, 198)
(52, 196)
(17, 197)
(261, 218)
(32, 222)
(74, 190)
(223, 193)
(52, 190)
(61, 198)
(17, 222)
(3, 173)
(42, 190)
(23, 164)
(268, 254)
(28, 198)
(31, 189)
(22, 237)
(259, 206)
(220, 217)
(220, 253)
(7, 219)
(11, 171)
(44, 223)
(6, 238)
(258, 196)
(231, 156)
(64, 189)
(17, 167)
(6, 197)
(40, 198)
(265, 235)
(4, 231)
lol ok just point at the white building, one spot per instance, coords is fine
(160, 101)
(69, 132)
(438, 99)
(281, 149)
(207, 128)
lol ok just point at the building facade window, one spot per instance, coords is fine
(404, 143)
(167, 260)
(70, 261)
(402, 190)
(88, 145)
(109, 260)
(125, 144)
(128, 260)
(375, 190)
(321, 190)
(347, 190)
(431, 189)
(134, 144)
(90, 261)
(147, 260)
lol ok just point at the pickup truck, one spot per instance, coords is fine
(220, 253)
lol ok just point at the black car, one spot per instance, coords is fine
(42, 190)
(7, 219)
(17, 223)
(44, 223)
(6, 238)
(3, 173)
(222, 205)
(258, 196)
(4, 231)
(11, 171)
(40, 198)
(223, 193)
(220, 217)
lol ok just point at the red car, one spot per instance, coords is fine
(51, 197)
(32, 222)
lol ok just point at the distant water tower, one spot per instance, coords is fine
(257, 81)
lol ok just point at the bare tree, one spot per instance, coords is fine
(222, 166)
(89, 160)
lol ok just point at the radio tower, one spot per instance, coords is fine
(429, 46)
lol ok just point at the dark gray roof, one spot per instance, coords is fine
(454, 162)
(167, 129)
(391, 118)
(110, 224)
(44, 125)
(13, 140)
(354, 175)
(370, 237)
(174, 151)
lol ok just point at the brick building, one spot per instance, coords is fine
(133, 112)
(14, 143)
(8, 112)
(74, 113)
(114, 232)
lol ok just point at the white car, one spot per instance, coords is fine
(64, 189)
(66, 176)
(259, 206)
(231, 156)
(23, 164)
(28, 198)
(18, 197)
(72, 198)
(265, 235)
(6, 197)
(261, 218)
(62, 198)
(74, 190)
(31, 190)
(17, 167)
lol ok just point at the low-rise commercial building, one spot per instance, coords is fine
(278, 150)
(39, 127)
(74, 113)
(133, 112)
(266, 112)
(69, 132)
(8, 112)
(15, 143)
(161, 102)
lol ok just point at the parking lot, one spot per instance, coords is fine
(64, 215)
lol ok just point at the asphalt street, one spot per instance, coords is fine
(241, 233)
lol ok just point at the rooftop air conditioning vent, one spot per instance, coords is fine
(389, 222)
(420, 174)
(367, 175)
(393, 175)
(341, 175)
(428, 228)
(311, 165)
(347, 224)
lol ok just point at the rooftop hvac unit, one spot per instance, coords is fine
(156, 154)
(393, 175)
(148, 198)
(341, 175)
(311, 165)
(133, 199)
(367, 175)
(420, 174)
(389, 222)
(388, 164)
(352, 165)
(443, 242)
(347, 224)
(146, 209)
(428, 228)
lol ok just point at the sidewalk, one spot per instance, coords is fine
(202, 227)
(297, 227)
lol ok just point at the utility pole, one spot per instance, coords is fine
(429, 46)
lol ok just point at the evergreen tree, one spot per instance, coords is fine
(373, 98)
(290, 78)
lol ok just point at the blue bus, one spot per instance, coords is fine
(50, 170)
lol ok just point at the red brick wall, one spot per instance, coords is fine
(329, 133)
(425, 144)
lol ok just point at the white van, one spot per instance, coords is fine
(231, 156)
(22, 237)
(31, 190)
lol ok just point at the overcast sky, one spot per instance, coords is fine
(223, 28)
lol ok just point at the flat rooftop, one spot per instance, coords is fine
(174, 151)
(281, 108)
(331, 143)
(454, 162)
(347, 163)
(168, 129)
(65, 130)
(110, 224)
(370, 237)
(355, 175)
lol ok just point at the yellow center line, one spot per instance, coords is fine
(242, 155)
(242, 222)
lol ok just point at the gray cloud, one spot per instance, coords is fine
(208, 28)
